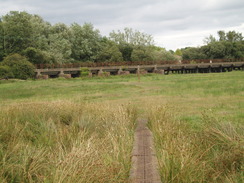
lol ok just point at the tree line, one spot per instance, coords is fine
(27, 39)
(42, 43)
(228, 45)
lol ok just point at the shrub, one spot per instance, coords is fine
(5, 72)
(84, 72)
(20, 66)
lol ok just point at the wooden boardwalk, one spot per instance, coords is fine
(144, 162)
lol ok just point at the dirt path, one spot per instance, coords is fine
(144, 162)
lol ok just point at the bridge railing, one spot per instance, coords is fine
(106, 64)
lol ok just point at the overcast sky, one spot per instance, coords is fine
(173, 23)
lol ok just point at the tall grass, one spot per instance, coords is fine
(45, 137)
(65, 142)
(213, 152)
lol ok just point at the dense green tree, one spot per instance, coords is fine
(228, 45)
(133, 45)
(60, 46)
(20, 66)
(5, 72)
(222, 35)
(2, 52)
(85, 42)
(193, 53)
(132, 37)
(217, 50)
(37, 56)
(233, 36)
(17, 31)
(42, 43)
(141, 53)
(178, 52)
(161, 54)
(238, 49)
(41, 31)
(109, 52)
(126, 51)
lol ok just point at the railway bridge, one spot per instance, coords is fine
(143, 69)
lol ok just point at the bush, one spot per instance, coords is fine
(5, 72)
(20, 66)
(84, 72)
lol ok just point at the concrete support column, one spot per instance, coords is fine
(120, 71)
(100, 72)
(155, 69)
(90, 74)
(138, 70)
(38, 74)
(61, 73)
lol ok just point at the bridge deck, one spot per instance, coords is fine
(216, 67)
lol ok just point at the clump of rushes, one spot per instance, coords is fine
(66, 142)
(211, 153)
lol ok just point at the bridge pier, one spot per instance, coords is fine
(158, 71)
(155, 69)
(38, 74)
(138, 70)
(61, 74)
(102, 73)
(121, 72)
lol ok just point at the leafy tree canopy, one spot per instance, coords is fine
(228, 45)
(20, 66)
(132, 37)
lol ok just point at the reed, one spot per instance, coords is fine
(66, 142)
(213, 152)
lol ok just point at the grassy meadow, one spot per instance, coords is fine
(81, 130)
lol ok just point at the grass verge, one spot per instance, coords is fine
(212, 152)
(65, 142)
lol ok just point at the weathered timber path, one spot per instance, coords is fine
(144, 162)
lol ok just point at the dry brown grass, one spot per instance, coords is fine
(211, 153)
(66, 142)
